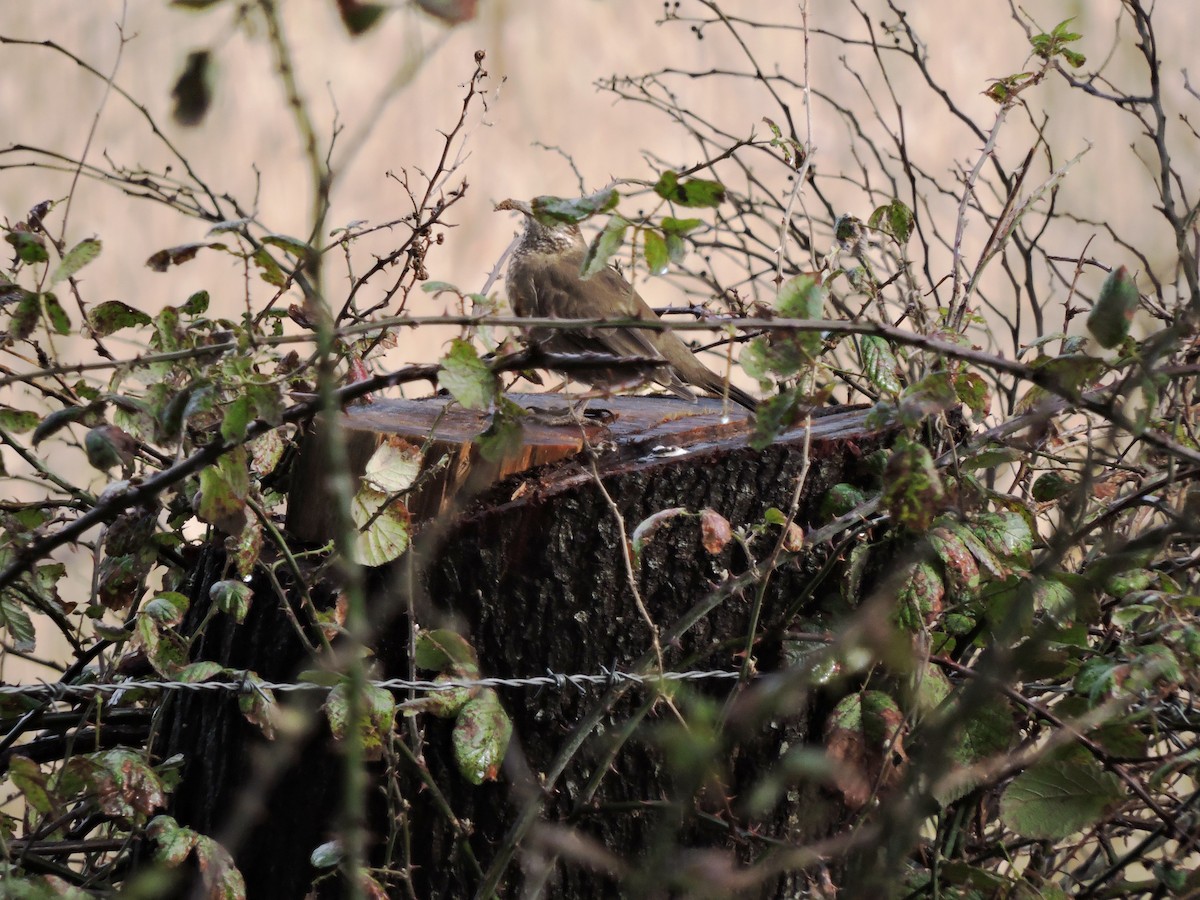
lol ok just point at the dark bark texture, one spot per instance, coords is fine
(536, 584)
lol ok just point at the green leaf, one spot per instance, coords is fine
(327, 855)
(270, 271)
(1054, 800)
(481, 737)
(1112, 315)
(290, 245)
(973, 391)
(654, 248)
(121, 781)
(258, 706)
(223, 490)
(267, 401)
(378, 709)
(880, 365)
(30, 247)
(802, 297)
(232, 597)
(32, 782)
(839, 500)
(383, 527)
(505, 434)
(605, 244)
(466, 376)
(694, 192)
(895, 219)
(447, 702)
(172, 842)
(205, 670)
(24, 317)
(959, 564)
(196, 304)
(557, 210)
(113, 315)
(912, 487)
(919, 600)
(167, 608)
(61, 418)
(238, 416)
(16, 621)
(18, 420)
(671, 225)
(442, 648)
(77, 257)
(1007, 534)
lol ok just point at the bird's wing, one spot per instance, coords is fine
(606, 295)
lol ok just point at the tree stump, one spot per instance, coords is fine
(524, 559)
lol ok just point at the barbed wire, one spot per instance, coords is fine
(244, 682)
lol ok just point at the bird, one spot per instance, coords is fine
(544, 280)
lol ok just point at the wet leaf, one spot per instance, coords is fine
(959, 564)
(919, 601)
(122, 782)
(258, 706)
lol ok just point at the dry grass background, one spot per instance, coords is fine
(544, 59)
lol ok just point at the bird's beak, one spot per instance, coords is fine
(514, 205)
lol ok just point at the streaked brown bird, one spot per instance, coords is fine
(544, 281)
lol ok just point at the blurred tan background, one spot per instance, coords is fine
(544, 59)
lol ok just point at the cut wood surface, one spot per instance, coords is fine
(619, 431)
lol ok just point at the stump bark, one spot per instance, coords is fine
(524, 558)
